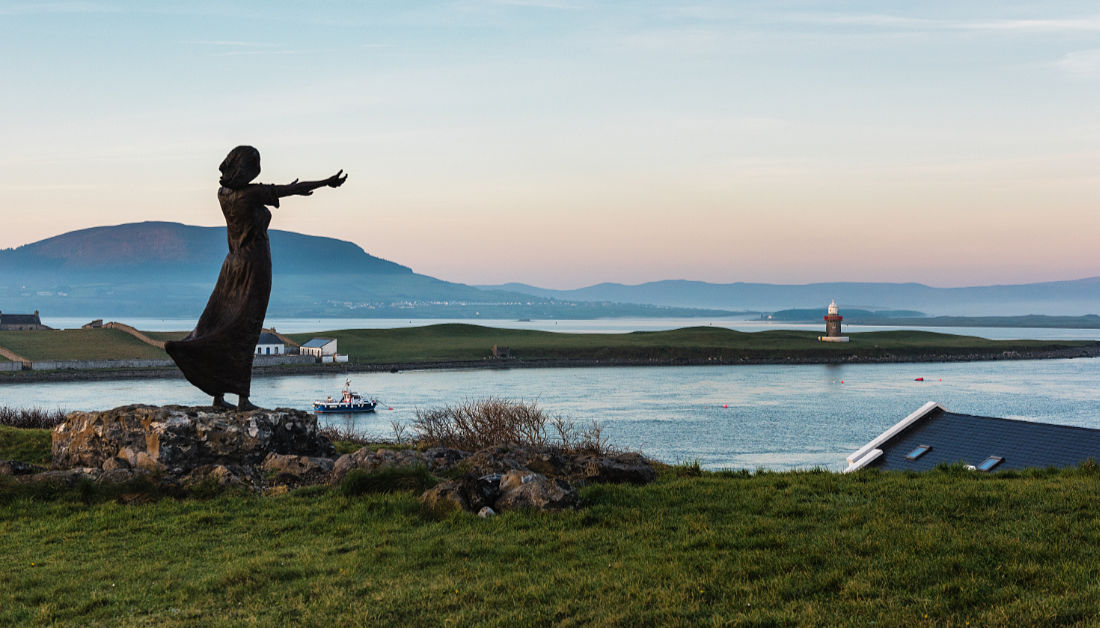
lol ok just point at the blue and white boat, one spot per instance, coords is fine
(350, 401)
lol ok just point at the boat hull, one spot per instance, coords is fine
(343, 408)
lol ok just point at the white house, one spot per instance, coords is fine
(269, 344)
(319, 347)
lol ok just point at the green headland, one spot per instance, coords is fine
(463, 345)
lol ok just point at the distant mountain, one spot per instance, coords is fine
(151, 247)
(851, 315)
(165, 269)
(1077, 297)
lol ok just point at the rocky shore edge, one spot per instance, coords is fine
(1084, 351)
(181, 449)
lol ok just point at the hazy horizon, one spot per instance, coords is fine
(566, 143)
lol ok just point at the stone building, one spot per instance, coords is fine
(20, 322)
(270, 344)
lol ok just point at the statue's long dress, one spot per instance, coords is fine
(217, 356)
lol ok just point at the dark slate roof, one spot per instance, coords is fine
(317, 343)
(269, 339)
(972, 439)
(19, 319)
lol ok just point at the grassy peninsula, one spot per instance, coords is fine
(948, 547)
(465, 346)
(471, 343)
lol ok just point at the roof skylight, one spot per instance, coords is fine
(918, 452)
(990, 462)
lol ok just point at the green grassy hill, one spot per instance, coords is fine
(472, 343)
(79, 344)
(452, 342)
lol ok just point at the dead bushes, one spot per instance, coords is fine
(490, 422)
(31, 417)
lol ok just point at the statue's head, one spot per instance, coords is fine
(240, 167)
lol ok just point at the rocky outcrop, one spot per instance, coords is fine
(297, 470)
(514, 490)
(14, 467)
(202, 449)
(177, 439)
(436, 460)
(511, 478)
(627, 468)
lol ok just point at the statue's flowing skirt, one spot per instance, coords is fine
(217, 356)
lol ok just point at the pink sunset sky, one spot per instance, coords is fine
(564, 144)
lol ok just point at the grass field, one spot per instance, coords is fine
(462, 342)
(79, 344)
(24, 445)
(449, 342)
(948, 547)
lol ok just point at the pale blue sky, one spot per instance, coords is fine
(564, 143)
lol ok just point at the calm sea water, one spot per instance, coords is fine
(767, 416)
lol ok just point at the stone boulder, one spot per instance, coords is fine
(221, 476)
(14, 467)
(297, 470)
(369, 460)
(627, 468)
(178, 439)
(445, 497)
(502, 459)
(534, 491)
(499, 492)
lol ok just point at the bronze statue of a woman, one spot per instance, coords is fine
(217, 356)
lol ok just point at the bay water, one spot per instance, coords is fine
(754, 416)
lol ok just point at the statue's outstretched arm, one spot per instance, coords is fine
(305, 188)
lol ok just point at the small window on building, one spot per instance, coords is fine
(918, 452)
(990, 462)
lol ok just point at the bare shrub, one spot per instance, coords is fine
(347, 435)
(31, 417)
(481, 423)
(400, 435)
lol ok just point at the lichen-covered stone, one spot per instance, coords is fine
(621, 469)
(369, 460)
(534, 491)
(445, 497)
(177, 439)
(14, 467)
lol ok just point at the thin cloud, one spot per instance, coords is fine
(869, 19)
(34, 8)
(540, 4)
(1083, 64)
(1091, 23)
(882, 20)
(228, 44)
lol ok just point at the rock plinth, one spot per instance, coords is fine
(203, 450)
(179, 439)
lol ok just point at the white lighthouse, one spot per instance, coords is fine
(832, 325)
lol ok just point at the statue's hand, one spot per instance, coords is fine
(336, 180)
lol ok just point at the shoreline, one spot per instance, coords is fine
(21, 377)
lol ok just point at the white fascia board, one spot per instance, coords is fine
(856, 460)
(864, 461)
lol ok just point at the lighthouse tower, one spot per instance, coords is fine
(832, 325)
